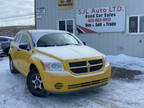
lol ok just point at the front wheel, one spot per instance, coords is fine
(34, 84)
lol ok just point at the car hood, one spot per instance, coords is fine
(70, 52)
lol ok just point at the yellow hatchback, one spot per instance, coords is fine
(57, 62)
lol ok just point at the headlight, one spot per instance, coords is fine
(52, 66)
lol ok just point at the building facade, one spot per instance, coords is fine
(110, 26)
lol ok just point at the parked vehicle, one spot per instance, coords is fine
(5, 43)
(57, 61)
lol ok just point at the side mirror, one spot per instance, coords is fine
(84, 43)
(23, 46)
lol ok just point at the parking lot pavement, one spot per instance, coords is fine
(119, 93)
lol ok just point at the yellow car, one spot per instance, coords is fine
(57, 62)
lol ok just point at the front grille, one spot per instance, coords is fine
(80, 70)
(93, 62)
(87, 83)
(78, 64)
(95, 68)
(86, 66)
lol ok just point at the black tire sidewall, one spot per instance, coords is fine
(43, 93)
(6, 51)
(12, 68)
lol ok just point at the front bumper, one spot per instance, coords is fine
(69, 83)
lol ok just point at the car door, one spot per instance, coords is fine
(25, 54)
(14, 48)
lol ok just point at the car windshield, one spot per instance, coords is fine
(59, 39)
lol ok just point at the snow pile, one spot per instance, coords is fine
(127, 62)
(16, 12)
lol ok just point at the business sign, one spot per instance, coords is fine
(93, 20)
(65, 4)
(40, 12)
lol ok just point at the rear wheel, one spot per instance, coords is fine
(34, 84)
(12, 68)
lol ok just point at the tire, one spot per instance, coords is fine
(6, 51)
(12, 68)
(35, 85)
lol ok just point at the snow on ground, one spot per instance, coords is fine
(117, 94)
(16, 12)
(127, 62)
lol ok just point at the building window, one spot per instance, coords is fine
(62, 25)
(136, 24)
(70, 26)
(133, 24)
(142, 24)
(66, 25)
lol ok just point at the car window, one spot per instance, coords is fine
(17, 38)
(25, 40)
(10, 39)
(3, 39)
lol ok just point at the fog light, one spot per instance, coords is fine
(58, 86)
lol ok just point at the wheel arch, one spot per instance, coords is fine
(32, 66)
(29, 82)
(35, 63)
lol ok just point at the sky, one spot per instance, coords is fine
(16, 12)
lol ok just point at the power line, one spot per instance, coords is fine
(17, 16)
(8, 20)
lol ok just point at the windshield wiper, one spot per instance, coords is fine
(67, 44)
(42, 45)
(45, 45)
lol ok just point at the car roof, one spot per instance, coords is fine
(7, 37)
(43, 31)
(46, 31)
(36, 34)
